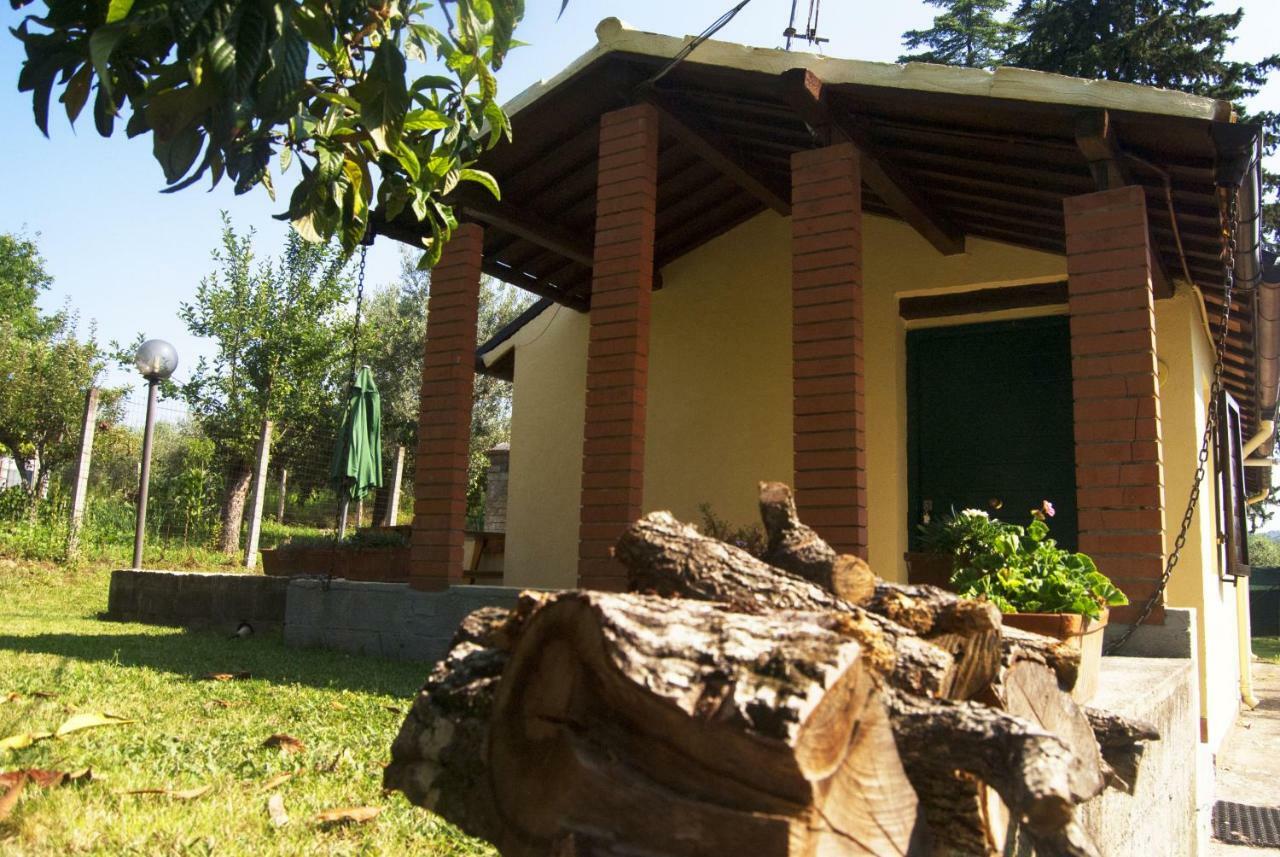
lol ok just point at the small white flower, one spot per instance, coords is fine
(973, 513)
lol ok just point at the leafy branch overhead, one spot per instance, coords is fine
(225, 86)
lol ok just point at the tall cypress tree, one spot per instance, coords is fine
(1175, 44)
(969, 33)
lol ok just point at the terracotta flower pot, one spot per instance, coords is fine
(932, 569)
(1080, 632)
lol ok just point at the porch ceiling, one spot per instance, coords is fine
(988, 167)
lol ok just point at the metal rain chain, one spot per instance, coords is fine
(1230, 215)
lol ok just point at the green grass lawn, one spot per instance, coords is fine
(1267, 648)
(59, 659)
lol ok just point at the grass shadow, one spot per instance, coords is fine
(193, 654)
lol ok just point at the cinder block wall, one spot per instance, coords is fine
(197, 600)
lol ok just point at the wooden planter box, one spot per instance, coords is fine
(1080, 632)
(380, 565)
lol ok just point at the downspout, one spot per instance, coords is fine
(1239, 149)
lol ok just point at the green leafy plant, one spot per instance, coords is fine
(750, 537)
(1019, 569)
(223, 86)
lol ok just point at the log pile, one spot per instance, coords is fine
(791, 705)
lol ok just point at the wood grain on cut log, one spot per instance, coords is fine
(800, 550)
(724, 733)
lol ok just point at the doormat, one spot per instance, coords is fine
(1242, 824)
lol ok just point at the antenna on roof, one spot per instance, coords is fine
(810, 33)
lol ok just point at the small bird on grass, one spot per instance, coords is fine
(243, 632)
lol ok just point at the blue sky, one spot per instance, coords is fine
(125, 255)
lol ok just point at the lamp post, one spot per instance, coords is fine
(156, 360)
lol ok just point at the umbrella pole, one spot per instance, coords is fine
(342, 517)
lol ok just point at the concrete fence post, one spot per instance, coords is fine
(284, 488)
(259, 490)
(80, 487)
(393, 507)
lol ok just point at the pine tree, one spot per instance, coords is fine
(968, 33)
(1175, 44)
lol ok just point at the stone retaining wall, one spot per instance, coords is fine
(197, 600)
(385, 619)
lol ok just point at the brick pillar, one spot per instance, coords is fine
(826, 333)
(618, 350)
(1119, 464)
(444, 413)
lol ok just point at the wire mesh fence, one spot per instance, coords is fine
(200, 499)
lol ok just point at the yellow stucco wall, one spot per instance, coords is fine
(1186, 372)
(719, 407)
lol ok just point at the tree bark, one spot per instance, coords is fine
(233, 503)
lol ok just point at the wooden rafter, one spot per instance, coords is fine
(805, 92)
(1097, 141)
(716, 152)
(536, 230)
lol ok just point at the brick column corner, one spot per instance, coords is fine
(618, 343)
(1115, 380)
(827, 370)
(444, 413)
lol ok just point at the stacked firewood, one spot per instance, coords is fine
(729, 705)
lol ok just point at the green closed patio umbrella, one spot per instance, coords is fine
(357, 455)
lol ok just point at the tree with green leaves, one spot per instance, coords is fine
(973, 33)
(222, 87)
(46, 368)
(280, 337)
(396, 324)
(1175, 44)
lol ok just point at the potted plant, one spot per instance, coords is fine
(1038, 585)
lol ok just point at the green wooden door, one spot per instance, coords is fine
(989, 421)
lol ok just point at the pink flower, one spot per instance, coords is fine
(1048, 509)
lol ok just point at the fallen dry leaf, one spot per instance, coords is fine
(177, 794)
(238, 676)
(219, 703)
(275, 809)
(12, 696)
(337, 706)
(278, 779)
(286, 743)
(349, 815)
(22, 740)
(46, 779)
(10, 798)
(395, 709)
(44, 694)
(88, 720)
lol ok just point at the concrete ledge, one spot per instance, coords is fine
(1160, 816)
(196, 599)
(1176, 638)
(389, 620)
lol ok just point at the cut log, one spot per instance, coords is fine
(796, 548)
(730, 705)
(672, 559)
(1122, 742)
(614, 730)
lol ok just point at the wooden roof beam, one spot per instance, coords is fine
(536, 230)
(1097, 141)
(805, 92)
(716, 152)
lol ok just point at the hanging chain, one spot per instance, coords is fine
(1230, 221)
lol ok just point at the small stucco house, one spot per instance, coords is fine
(899, 288)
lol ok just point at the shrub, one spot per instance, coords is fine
(750, 538)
